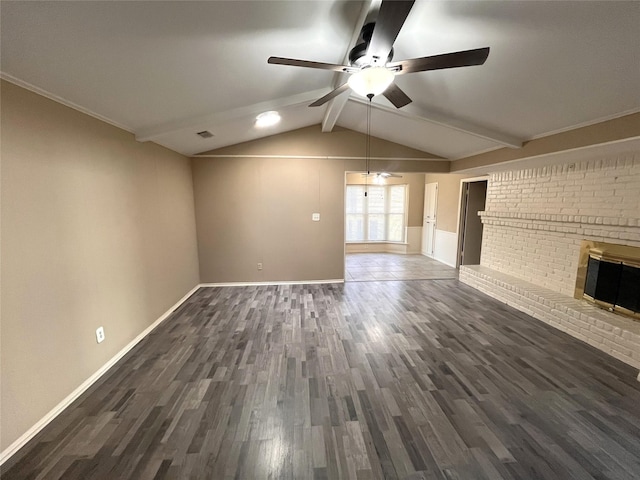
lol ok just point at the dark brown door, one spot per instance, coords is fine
(474, 196)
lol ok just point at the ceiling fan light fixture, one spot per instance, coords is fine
(379, 179)
(267, 119)
(371, 81)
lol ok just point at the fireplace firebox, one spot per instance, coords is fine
(613, 282)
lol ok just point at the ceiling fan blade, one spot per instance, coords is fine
(306, 63)
(465, 58)
(391, 17)
(333, 93)
(395, 95)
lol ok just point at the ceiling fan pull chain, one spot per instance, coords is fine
(368, 152)
(368, 146)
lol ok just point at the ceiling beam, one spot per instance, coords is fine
(619, 131)
(336, 104)
(208, 121)
(414, 112)
(333, 111)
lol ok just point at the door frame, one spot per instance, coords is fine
(461, 211)
(422, 247)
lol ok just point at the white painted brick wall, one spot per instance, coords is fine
(535, 219)
(534, 222)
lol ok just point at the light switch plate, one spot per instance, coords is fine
(315, 217)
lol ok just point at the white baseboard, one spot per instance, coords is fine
(44, 421)
(53, 413)
(445, 249)
(256, 284)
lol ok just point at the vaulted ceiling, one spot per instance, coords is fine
(167, 70)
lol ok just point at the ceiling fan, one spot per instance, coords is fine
(372, 71)
(382, 175)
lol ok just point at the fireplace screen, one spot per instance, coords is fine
(614, 284)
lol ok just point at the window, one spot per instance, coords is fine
(378, 217)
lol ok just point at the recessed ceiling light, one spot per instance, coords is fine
(267, 119)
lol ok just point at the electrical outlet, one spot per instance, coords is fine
(100, 335)
(315, 217)
(259, 266)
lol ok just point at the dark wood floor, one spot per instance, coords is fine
(415, 379)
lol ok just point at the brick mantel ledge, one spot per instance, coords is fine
(595, 228)
(562, 218)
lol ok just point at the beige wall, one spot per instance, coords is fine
(448, 199)
(254, 203)
(415, 181)
(256, 210)
(97, 230)
(341, 142)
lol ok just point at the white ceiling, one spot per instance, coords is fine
(166, 70)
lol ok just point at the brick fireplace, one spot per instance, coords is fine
(535, 224)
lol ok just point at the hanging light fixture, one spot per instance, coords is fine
(379, 179)
(370, 81)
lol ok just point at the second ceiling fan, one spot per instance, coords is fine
(370, 62)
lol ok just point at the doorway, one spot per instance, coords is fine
(397, 256)
(473, 200)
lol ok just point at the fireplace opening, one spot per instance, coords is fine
(613, 282)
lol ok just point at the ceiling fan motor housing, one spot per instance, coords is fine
(358, 54)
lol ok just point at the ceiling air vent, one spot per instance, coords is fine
(205, 134)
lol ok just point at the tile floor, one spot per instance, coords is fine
(364, 267)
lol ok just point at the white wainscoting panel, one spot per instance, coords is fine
(446, 247)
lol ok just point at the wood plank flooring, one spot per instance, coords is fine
(364, 380)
